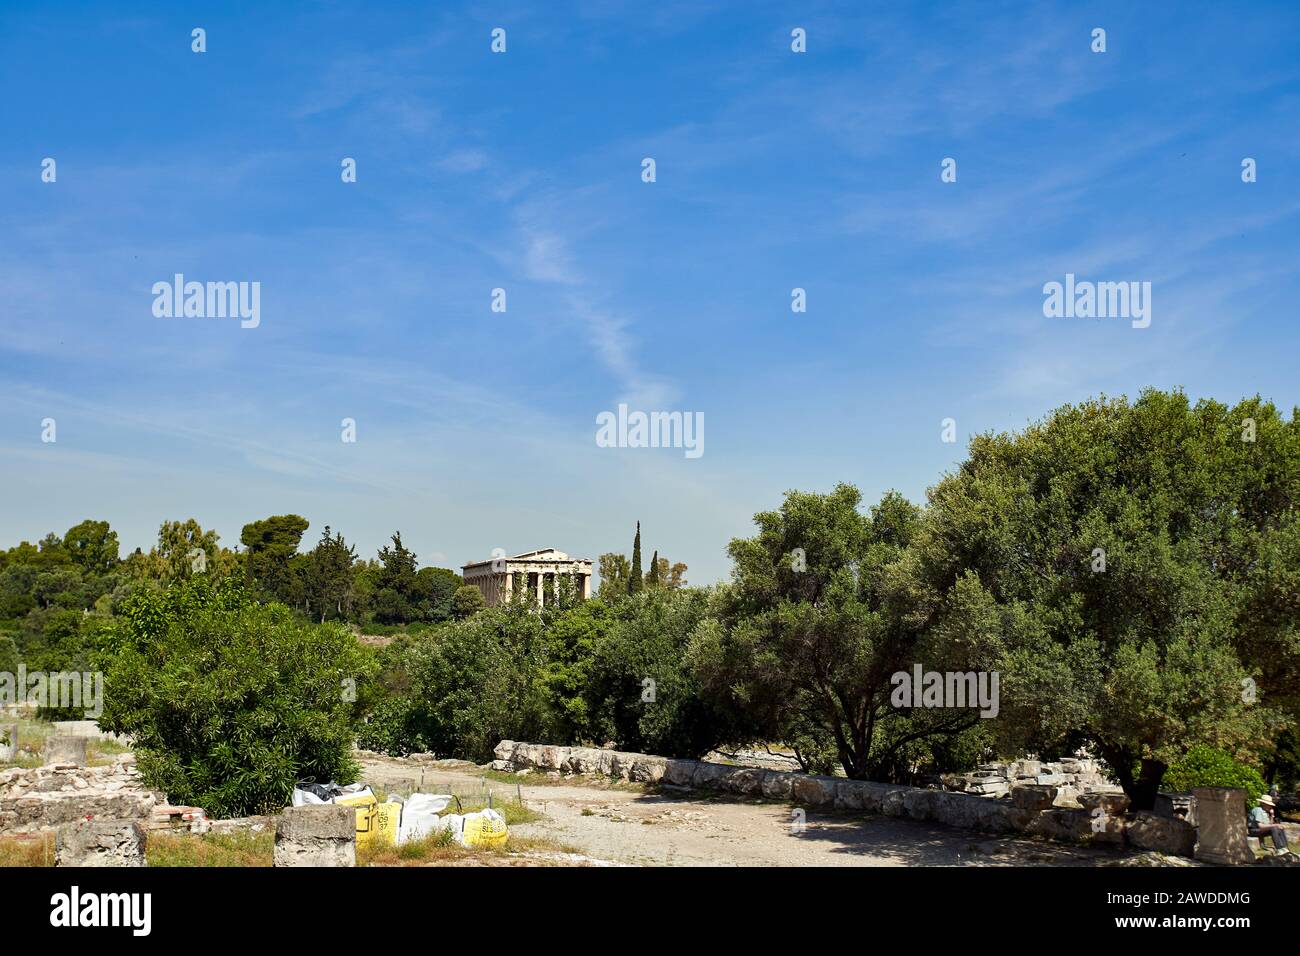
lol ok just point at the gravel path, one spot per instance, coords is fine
(636, 827)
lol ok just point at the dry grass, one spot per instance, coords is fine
(439, 849)
(36, 849)
(241, 848)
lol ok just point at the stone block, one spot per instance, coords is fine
(747, 781)
(620, 764)
(1033, 797)
(585, 760)
(1221, 826)
(552, 758)
(1179, 805)
(1062, 825)
(646, 769)
(850, 795)
(891, 802)
(324, 835)
(680, 773)
(65, 752)
(1112, 804)
(779, 785)
(504, 750)
(919, 804)
(100, 843)
(707, 775)
(811, 791)
(1168, 835)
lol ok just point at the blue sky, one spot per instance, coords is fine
(522, 170)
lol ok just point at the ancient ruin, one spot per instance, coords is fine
(536, 574)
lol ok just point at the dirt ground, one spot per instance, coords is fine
(629, 825)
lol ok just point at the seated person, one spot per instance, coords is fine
(1262, 822)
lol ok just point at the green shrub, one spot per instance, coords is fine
(1210, 767)
(230, 702)
(392, 728)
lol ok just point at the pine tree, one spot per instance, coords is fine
(634, 580)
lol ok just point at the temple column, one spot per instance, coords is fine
(510, 585)
(541, 594)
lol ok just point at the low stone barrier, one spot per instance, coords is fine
(46, 797)
(100, 843)
(1033, 809)
(319, 835)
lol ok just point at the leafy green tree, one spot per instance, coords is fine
(92, 546)
(477, 681)
(572, 636)
(434, 591)
(230, 701)
(271, 544)
(809, 635)
(328, 579)
(614, 570)
(176, 556)
(641, 686)
(467, 601)
(394, 583)
(1124, 567)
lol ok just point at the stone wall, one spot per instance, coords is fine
(48, 797)
(1093, 818)
(1071, 774)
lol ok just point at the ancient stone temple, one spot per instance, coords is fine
(538, 575)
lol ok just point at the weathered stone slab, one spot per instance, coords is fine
(647, 769)
(708, 775)
(65, 752)
(1180, 805)
(850, 795)
(100, 843)
(778, 786)
(1063, 825)
(324, 835)
(1112, 804)
(747, 781)
(552, 758)
(813, 791)
(680, 772)
(584, 760)
(1221, 826)
(919, 804)
(1033, 797)
(1168, 835)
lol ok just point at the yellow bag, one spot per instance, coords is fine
(384, 827)
(367, 808)
(485, 828)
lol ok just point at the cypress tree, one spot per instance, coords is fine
(652, 576)
(634, 580)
